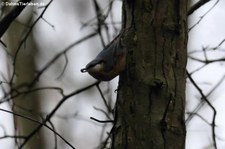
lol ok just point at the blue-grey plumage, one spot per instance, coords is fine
(109, 63)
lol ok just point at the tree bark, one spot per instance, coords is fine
(149, 112)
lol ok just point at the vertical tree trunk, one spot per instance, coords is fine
(151, 98)
(27, 105)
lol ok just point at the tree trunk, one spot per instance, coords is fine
(151, 97)
(26, 105)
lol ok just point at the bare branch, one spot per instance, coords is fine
(197, 5)
(101, 121)
(202, 103)
(104, 100)
(67, 49)
(3, 43)
(202, 17)
(25, 38)
(50, 115)
(210, 105)
(201, 117)
(207, 61)
(35, 121)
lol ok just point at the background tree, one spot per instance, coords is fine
(75, 111)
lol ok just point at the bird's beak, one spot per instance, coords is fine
(83, 70)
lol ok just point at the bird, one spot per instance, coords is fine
(109, 63)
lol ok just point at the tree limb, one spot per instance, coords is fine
(197, 5)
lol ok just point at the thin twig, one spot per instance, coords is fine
(50, 115)
(101, 121)
(210, 105)
(35, 121)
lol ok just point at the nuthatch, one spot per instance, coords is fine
(109, 63)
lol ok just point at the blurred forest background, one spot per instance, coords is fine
(46, 102)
